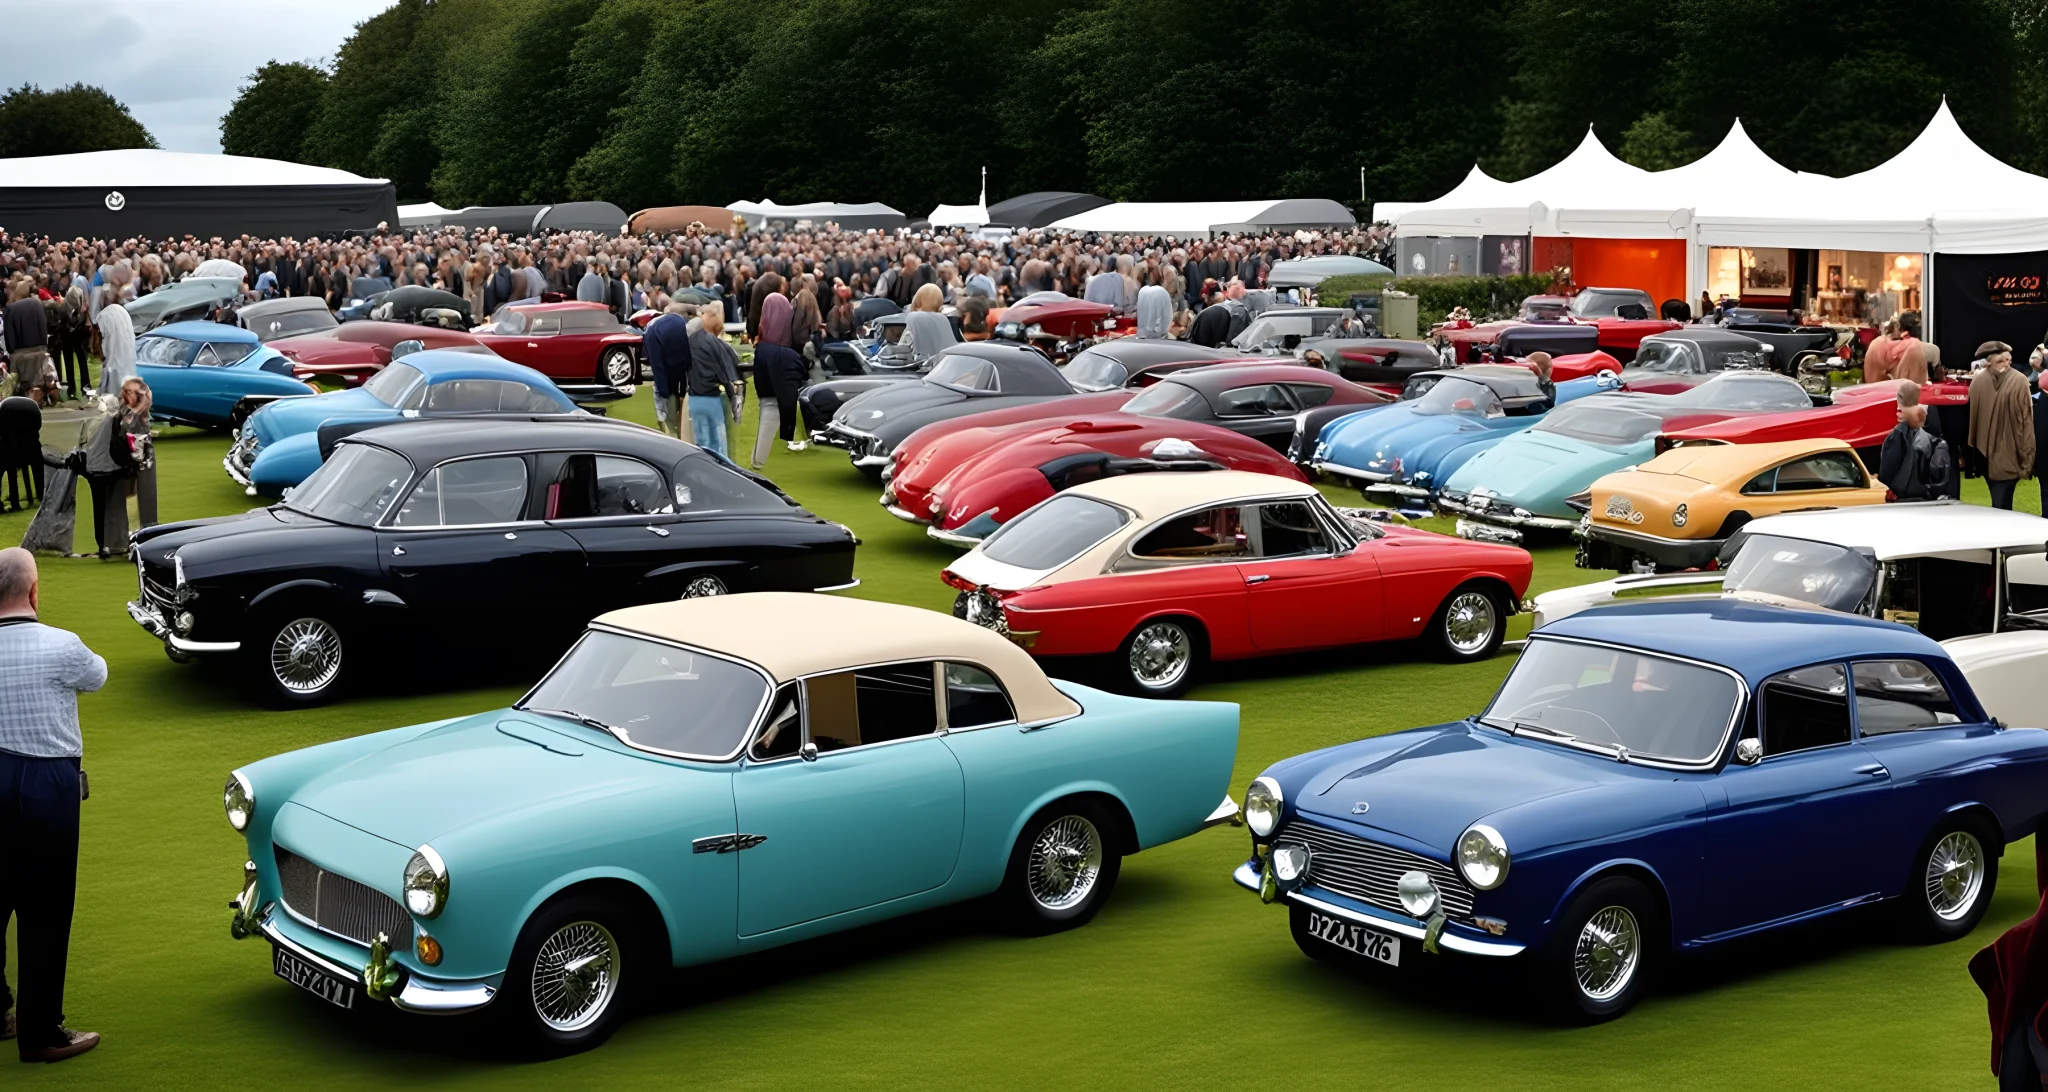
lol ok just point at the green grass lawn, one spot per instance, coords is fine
(1184, 980)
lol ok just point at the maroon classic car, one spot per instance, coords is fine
(583, 347)
(354, 351)
(1621, 317)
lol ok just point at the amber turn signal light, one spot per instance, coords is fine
(429, 950)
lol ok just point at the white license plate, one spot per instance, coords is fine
(313, 980)
(1355, 938)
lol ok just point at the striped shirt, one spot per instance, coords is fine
(42, 669)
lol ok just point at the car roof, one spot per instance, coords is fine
(1216, 378)
(1155, 495)
(1755, 639)
(1707, 335)
(429, 440)
(281, 304)
(1721, 462)
(202, 331)
(754, 627)
(1145, 352)
(564, 305)
(1911, 530)
(1509, 380)
(466, 363)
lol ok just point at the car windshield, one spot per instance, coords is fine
(292, 323)
(162, 350)
(1599, 303)
(1455, 395)
(1618, 700)
(653, 696)
(509, 322)
(964, 372)
(1169, 399)
(1093, 371)
(1054, 533)
(1747, 391)
(1667, 356)
(1601, 422)
(1820, 573)
(390, 384)
(357, 485)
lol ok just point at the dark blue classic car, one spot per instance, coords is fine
(1656, 777)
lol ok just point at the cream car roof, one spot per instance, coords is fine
(1719, 462)
(793, 634)
(1165, 492)
(1892, 531)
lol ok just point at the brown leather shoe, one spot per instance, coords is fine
(75, 1043)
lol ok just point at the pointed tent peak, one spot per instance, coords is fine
(1735, 156)
(1941, 147)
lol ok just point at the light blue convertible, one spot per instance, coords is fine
(207, 374)
(698, 779)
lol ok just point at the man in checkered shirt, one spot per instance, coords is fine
(42, 670)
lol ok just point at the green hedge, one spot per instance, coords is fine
(1486, 297)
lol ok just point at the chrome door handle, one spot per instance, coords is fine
(510, 535)
(1259, 579)
(663, 532)
(1875, 769)
(398, 551)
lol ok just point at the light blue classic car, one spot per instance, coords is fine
(695, 780)
(207, 373)
(280, 445)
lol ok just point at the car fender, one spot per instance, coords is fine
(690, 567)
(1659, 888)
(1094, 786)
(275, 590)
(286, 463)
(670, 921)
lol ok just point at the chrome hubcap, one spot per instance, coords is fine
(1065, 861)
(1469, 622)
(1160, 654)
(618, 368)
(575, 976)
(306, 655)
(1604, 960)
(1955, 873)
(703, 586)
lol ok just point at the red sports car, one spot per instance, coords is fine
(583, 347)
(1862, 422)
(354, 351)
(1161, 572)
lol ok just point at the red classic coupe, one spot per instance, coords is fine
(583, 347)
(354, 351)
(1162, 572)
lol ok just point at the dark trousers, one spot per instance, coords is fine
(2002, 491)
(72, 367)
(38, 882)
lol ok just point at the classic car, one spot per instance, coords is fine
(515, 531)
(1632, 791)
(1526, 480)
(1383, 362)
(849, 357)
(1544, 309)
(210, 374)
(1162, 572)
(905, 346)
(1682, 359)
(1060, 325)
(974, 377)
(698, 780)
(354, 351)
(1444, 418)
(1280, 405)
(414, 303)
(1622, 316)
(1283, 329)
(1137, 362)
(1863, 423)
(278, 445)
(194, 299)
(583, 347)
(285, 316)
(1675, 511)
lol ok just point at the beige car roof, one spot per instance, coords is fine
(1165, 492)
(793, 634)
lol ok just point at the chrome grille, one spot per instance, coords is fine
(338, 904)
(154, 592)
(1370, 872)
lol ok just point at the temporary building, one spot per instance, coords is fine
(852, 217)
(599, 216)
(150, 193)
(1315, 269)
(426, 214)
(672, 219)
(961, 216)
(1199, 218)
(1037, 209)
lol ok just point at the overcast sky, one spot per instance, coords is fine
(176, 63)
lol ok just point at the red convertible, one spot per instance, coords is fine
(1622, 317)
(583, 347)
(1861, 421)
(354, 351)
(1161, 572)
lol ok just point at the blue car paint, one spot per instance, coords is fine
(1705, 840)
(1423, 450)
(522, 805)
(1538, 470)
(191, 393)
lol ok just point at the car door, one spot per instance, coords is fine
(861, 807)
(620, 511)
(1805, 827)
(1303, 592)
(1189, 562)
(462, 554)
(1264, 412)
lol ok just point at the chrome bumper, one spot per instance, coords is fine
(1504, 515)
(1392, 923)
(1227, 814)
(438, 997)
(152, 621)
(952, 538)
(1343, 471)
(901, 513)
(871, 460)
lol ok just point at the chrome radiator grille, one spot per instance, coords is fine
(153, 592)
(338, 904)
(1370, 872)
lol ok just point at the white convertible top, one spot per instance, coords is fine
(1911, 530)
(1154, 495)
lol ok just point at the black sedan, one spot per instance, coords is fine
(455, 534)
(905, 346)
(1679, 360)
(971, 378)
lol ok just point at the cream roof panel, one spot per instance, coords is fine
(1154, 495)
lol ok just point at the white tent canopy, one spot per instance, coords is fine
(1194, 218)
(854, 216)
(154, 167)
(964, 216)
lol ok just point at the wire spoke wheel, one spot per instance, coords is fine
(1160, 655)
(1065, 862)
(618, 368)
(305, 656)
(1469, 622)
(1955, 874)
(703, 586)
(1608, 950)
(575, 976)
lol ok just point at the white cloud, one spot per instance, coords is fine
(177, 64)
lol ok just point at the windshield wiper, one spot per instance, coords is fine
(565, 714)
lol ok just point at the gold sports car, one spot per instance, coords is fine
(1676, 510)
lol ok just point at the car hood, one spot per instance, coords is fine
(937, 449)
(287, 418)
(868, 411)
(1392, 434)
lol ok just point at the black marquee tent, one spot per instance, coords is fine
(147, 193)
(1035, 210)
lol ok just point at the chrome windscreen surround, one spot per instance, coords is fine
(1356, 868)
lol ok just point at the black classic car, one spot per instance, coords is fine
(1384, 362)
(500, 532)
(1682, 359)
(1136, 362)
(905, 346)
(971, 378)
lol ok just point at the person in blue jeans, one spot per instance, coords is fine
(713, 382)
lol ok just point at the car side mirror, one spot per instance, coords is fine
(1749, 751)
(406, 348)
(808, 752)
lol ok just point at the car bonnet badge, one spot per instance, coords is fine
(1360, 808)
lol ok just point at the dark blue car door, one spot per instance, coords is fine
(1811, 826)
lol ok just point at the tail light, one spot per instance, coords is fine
(956, 581)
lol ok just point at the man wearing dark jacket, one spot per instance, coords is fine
(1212, 325)
(666, 344)
(1906, 464)
(779, 375)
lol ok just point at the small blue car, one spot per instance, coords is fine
(699, 779)
(279, 445)
(200, 372)
(1655, 777)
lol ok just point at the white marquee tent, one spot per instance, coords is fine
(854, 217)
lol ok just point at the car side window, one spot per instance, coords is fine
(1827, 470)
(1900, 696)
(703, 485)
(1211, 534)
(1765, 482)
(872, 705)
(1266, 401)
(1290, 529)
(1311, 395)
(467, 492)
(629, 487)
(974, 699)
(1805, 708)
(783, 733)
(543, 325)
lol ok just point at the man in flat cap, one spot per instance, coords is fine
(2001, 421)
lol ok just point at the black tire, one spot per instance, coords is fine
(1958, 841)
(1469, 624)
(580, 926)
(1043, 890)
(1159, 659)
(617, 369)
(288, 653)
(1622, 911)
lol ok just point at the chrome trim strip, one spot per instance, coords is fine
(746, 738)
(275, 936)
(1349, 472)
(443, 999)
(901, 513)
(180, 644)
(241, 479)
(1413, 930)
(872, 460)
(954, 538)
(854, 583)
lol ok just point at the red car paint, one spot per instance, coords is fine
(552, 346)
(354, 351)
(1070, 320)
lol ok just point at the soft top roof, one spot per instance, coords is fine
(1722, 462)
(202, 331)
(1708, 335)
(1217, 378)
(428, 441)
(1755, 639)
(1155, 495)
(1892, 531)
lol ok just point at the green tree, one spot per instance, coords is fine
(370, 82)
(273, 111)
(1655, 144)
(1576, 64)
(78, 118)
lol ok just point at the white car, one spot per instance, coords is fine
(1974, 578)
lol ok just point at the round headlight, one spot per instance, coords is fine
(426, 883)
(1483, 857)
(1418, 895)
(1262, 806)
(1290, 863)
(239, 797)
